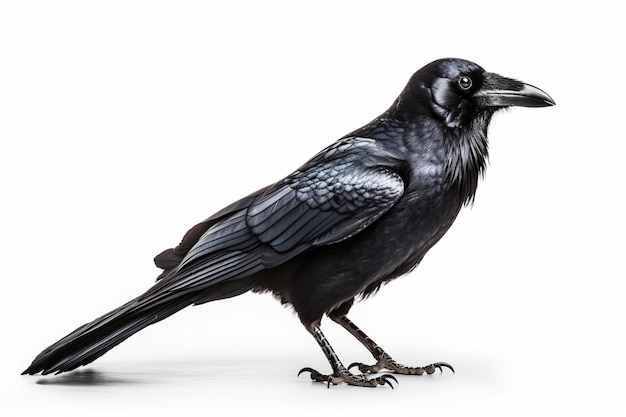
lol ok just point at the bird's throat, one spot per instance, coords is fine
(466, 158)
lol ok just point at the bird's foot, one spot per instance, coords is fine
(386, 362)
(345, 376)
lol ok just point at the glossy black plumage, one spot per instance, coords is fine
(363, 211)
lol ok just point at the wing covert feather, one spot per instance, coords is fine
(324, 203)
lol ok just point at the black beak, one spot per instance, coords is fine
(498, 91)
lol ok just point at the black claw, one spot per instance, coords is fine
(307, 369)
(445, 365)
(385, 378)
(353, 364)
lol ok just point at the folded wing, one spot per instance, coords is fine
(334, 196)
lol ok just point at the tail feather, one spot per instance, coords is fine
(94, 339)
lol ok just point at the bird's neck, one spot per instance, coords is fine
(462, 151)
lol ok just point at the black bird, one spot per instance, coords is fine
(360, 213)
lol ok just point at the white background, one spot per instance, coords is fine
(123, 123)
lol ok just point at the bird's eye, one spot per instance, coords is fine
(465, 82)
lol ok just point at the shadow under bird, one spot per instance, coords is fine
(360, 213)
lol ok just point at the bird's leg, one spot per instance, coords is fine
(340, 372)
(383, 360)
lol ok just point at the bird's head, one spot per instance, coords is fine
(459, 91)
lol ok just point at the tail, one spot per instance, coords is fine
(92, 340)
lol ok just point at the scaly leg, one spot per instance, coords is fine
(341, 373)
(383, 360)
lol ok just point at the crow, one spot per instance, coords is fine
(360, 213)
